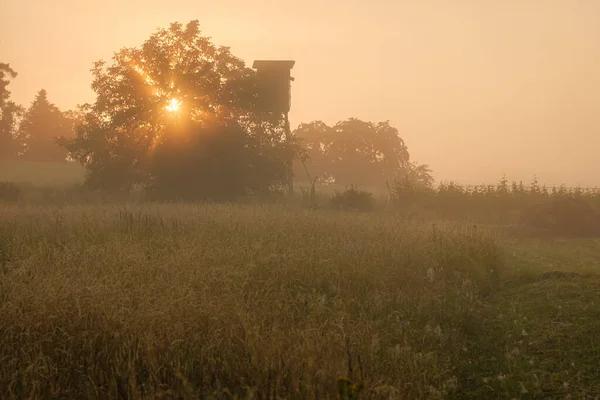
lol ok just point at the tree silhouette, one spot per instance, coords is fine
(73, 120)
(177, 84)
(354, 151)
(417, 175)
(316, 138)
(42, 124)
(219, 155)
(9, 114)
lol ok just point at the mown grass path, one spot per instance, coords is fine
(539, 335)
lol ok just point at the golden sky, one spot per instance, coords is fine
(477, 88)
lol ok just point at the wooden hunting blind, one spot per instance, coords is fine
(274, 85)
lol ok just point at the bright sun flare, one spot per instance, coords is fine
(174, 105)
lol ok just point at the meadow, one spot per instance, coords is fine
(179, 301)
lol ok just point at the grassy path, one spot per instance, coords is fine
(539, 336)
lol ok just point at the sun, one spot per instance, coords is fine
(174, 105)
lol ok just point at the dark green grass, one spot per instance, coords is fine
(539, 335)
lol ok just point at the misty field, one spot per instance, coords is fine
(183, 301)
(40, 173)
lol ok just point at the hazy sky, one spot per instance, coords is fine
(477, 88)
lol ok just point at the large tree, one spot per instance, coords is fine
(354, 151)
(175, 85)
(42, 124)
(9, 114)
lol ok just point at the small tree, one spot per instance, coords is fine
(9, 115)
(42, 124)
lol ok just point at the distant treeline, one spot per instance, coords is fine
(450, 198)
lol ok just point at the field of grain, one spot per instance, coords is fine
(185, 301)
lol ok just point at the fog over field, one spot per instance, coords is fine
(476, 88)
(299, 200)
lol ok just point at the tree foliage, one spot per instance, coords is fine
(153, 105)
(220, 155)
(42, 124)
(356, 152)
(9, 114)
(415, 177)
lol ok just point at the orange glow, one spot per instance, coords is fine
(463, 81)
(174, 105)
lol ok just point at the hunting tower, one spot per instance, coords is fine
(274, 83)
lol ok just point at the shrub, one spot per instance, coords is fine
(352, 199)
(218, 162)
(565, 216)
(405, 192)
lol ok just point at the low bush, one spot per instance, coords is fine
(352, 199)
(564, 216)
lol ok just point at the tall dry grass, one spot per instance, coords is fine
(176, 301)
